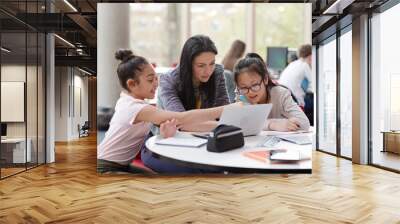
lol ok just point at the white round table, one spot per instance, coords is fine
(234, 161)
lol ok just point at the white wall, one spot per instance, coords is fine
(61, 103)
(12, 73)
(79, 117)
(33, 126)
(69, 85)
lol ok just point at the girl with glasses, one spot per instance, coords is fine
(253, 83)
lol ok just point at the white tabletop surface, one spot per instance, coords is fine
(235, 158)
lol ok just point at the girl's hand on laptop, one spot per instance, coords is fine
(168, 128)
(291, 124)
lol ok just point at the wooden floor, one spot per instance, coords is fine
(10, 171)
(70, 191)
(386, 159)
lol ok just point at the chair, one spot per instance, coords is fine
(104, 115)
(84, 130)
(137, 166)
(230, 85)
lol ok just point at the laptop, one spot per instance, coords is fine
(250, 118)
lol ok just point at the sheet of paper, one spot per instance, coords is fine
(182, 141)
(286, 132)
(286, 156)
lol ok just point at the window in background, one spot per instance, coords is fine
(395, 102)
(346, 94)
(155, 32)
(222, 22)
(279, 25)
(327, 97)
(385, 84)
(22, 68)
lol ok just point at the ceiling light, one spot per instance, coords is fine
(64, 40)
(70, 5)
(338, 6)
(5, 50)
(84, 71)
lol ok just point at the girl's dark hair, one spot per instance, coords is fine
(191, 49)
(253, 63)
(129, 66)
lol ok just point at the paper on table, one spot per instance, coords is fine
(184, 142)
(285, 155)
(286, 132)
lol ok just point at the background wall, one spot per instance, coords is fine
(71, 102)
(33, 126)
(12, 73)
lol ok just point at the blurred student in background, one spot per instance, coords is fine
(236, 52)
(297, 75)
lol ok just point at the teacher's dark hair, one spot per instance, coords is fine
(192, 48)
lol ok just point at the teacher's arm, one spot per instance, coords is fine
(221, 94)
(168, 93)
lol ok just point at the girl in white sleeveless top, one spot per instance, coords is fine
(131, 121)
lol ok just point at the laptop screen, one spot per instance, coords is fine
(250, 118)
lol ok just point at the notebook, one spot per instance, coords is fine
(183, 142)
(274, 155)
(261, 156)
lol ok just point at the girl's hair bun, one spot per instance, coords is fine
(123, 54)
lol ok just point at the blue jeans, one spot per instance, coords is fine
(166, 167)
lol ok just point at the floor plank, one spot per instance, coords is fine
(70, 191)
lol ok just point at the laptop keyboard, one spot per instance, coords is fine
(270, 141)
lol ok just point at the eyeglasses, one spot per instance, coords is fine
(253, 88)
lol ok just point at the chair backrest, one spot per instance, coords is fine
(104, 116)
(86, 125)
(230, 85)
